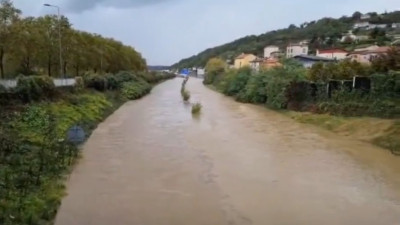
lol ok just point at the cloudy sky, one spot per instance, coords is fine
(165, 31)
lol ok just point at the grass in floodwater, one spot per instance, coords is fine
(196, 108)
(185, 95)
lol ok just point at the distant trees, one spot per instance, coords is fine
(343, 70)
(356, 16)
(30, 46)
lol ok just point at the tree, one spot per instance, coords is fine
(8, 16)
(214, 67)
(356, 16)
(388, 61)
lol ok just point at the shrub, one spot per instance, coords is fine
(135, 90)
(196, 108)
(112, 82)
(35, 87)
(238, 81)
(185, 95)
(255, 90)
(96, 82)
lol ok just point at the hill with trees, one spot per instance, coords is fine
(323, 33)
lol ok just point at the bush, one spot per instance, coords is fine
(238, 82)
(196, 108)
(96, 82)
(135, 90)
(255, 90)
(185, 95)
(33, 88)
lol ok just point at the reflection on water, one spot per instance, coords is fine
(153, 162)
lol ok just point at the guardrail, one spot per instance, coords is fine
(57, 82)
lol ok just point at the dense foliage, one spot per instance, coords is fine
(287, 87)
(34, 152)
(30, 46)
(323, 33)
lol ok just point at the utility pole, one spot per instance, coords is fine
(59, 37)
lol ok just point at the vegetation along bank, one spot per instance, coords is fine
(324, 92)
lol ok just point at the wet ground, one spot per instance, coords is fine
(152, 163)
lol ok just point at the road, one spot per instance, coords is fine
(152, 163)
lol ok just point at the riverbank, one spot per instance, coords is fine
(384, 133)
(35, 154)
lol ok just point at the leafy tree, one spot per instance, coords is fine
(8, 16)
(388, 61)
(214, 67)
(356, 16)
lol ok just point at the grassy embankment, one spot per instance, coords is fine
(35, 156)
(384, 133)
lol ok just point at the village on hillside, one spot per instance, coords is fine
(365, 41)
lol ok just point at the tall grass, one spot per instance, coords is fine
(196, 108)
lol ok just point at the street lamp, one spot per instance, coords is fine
(59, 34)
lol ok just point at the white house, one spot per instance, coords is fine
(256, 64)
(362, 24)
(366, 16)
(293, 50)
(270, 49)
(336, 54)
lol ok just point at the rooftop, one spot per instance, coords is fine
(329, 51)
(314, 58)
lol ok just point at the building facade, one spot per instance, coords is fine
(269, 50)
(243, 60)
(293, 50)
(336, 54)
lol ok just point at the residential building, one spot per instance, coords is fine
(396, 25)
(256, 64)
(336, 54)
(269, 50)
(380, 26)
(365, 55)
(366, 16)
(361, 24)
(296, 49)
(243, 60)
(277, 55)
(270, 63)
(309, 60)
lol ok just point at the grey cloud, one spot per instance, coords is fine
(83, 5)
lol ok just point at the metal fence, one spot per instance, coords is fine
(57, 82)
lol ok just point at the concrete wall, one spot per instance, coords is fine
(57, 83)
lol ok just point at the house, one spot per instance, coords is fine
(270, 63)
(243, 60)
(396, 25)
(277, 55)
(269, 50)
(365, 55)
(309, 60)
(366, 16)
(336, 54)
(380, 26)
(293, 50)
(361, 24)
(256, 64)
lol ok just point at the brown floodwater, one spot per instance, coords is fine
(152, 163)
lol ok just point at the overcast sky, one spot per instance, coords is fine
(165, 31)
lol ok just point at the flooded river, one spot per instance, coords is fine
(152, 163)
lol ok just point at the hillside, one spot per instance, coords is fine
(323, 33)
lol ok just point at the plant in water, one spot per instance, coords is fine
(196, 108)
(185, 95)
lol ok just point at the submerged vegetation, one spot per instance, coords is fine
(196, 108)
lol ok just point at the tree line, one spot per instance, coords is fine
(30, 46)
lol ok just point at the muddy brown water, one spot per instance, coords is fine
(152, 163)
